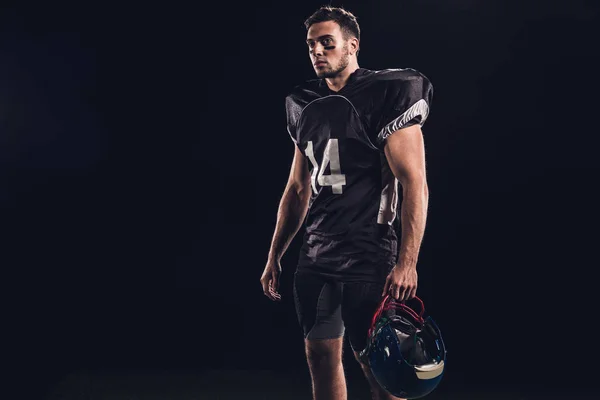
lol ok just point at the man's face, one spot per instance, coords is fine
(327, 49)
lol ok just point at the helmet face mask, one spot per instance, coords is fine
(406, 352)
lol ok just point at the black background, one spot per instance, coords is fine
(143, 154)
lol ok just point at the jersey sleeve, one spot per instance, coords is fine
(407, 104)
(293, 111)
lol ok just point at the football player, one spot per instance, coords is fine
(358, 141)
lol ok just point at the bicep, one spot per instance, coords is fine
(405, 153)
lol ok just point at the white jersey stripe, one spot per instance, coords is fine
(420, 108)
(389, 196)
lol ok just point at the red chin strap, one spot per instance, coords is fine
(389, 303)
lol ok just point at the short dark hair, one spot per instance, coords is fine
(345, 19)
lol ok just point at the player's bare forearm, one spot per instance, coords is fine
(413, 214)
(405, 152)
(290, 216)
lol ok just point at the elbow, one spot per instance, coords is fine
(302, 191)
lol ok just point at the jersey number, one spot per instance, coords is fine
(331, 157)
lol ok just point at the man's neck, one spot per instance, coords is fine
(336, 84)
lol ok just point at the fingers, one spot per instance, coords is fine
(266, 283)
(275, 282)
(265, 287)
(401, 292)
(386, 287)
(393, 290)
(273, 292)
(274, 286)
(269, 290)
(413, 293)
(409, 293)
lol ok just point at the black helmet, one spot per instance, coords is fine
(405, 351)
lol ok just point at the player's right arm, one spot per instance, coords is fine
(290, 216)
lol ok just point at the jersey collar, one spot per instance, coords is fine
(351, 79)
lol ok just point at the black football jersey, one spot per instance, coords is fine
(350, 231)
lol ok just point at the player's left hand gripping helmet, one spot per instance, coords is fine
(405, 351)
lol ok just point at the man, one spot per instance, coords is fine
(357, 134)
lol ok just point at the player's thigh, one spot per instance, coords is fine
(318, 304)
(360, 301)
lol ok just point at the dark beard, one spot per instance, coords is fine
(333, 72)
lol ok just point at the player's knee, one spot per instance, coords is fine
(324, 353)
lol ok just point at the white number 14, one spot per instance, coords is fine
(331, 157)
